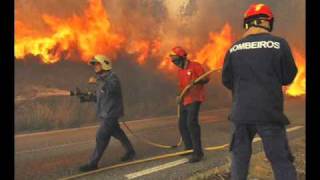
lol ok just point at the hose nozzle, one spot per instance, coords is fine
(75, 92)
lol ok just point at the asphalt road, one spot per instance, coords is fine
(57, 154)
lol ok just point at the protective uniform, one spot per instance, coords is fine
(189, 112)
(255, 69)
(109, 107)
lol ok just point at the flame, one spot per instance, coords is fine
(90, 34)
(211, 54)
(144, 49)
(298, 87)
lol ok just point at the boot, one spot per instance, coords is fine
(196, 158)
(128, 156)
(87, 167)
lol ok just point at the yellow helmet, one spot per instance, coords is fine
(103, 60)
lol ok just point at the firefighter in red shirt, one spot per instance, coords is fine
(190, 104)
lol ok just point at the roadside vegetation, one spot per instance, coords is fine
(146, 94)
(260, 168)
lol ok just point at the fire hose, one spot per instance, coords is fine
(183, 92)
(143, 139)
(163, 156)
(186, 89)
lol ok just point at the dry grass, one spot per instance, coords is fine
(49, 113)
(260, 168)
(217, 173)
(55, 112)
(146, 93)
(52, 113)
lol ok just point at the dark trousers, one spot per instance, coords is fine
(189, 127)
(275, 145)
(109, 127)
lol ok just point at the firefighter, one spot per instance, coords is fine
(255, 69)
(109, 107)
(190, 104)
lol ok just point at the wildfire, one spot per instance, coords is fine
(298, 87)
(145, 49)
(92, 33)
(212, 54)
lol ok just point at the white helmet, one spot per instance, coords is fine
(103, 60)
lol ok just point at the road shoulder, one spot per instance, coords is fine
(260, 168)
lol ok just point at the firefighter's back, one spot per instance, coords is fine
(261, 64)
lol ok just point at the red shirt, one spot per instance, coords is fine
(186, 76)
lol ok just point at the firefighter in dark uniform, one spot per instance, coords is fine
(190, 104)
(109, 107)
(255, 69)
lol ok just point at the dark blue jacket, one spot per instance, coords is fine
(255, 69)
(108, 96)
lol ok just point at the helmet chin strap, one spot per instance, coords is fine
(263, 27)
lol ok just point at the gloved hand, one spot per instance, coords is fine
(92, 80)
(203, 81)
(178, 100)
(82, 99)
(193, 83)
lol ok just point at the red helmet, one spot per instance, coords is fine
(258, 11)
(261, 10)
(178, 51)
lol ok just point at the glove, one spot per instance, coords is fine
(178, 100)
(82, 99)
(92, 80)
(193, 83)
(203, 81)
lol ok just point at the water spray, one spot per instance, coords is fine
(42, 92)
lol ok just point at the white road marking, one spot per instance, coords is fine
(288, 130)
(156, 168)
(91, 141)
(184, 160)
(53, 131)
(66, 144)
(95, 126)
(54, 147)
(294, 128)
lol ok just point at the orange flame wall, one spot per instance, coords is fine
(93, 33)
(298, 87)
(90, 34)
